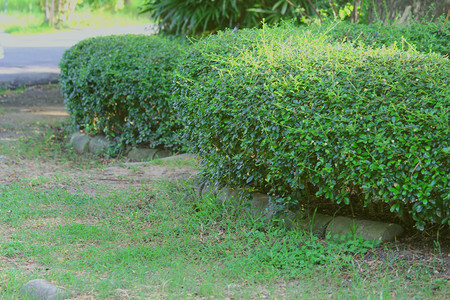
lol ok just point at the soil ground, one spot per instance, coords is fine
(22, 111)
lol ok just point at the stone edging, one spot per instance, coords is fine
(83, 143)
(260, 205)
(318, 223)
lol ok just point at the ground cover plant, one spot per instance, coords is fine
(283, 111)
(121, 230)
(158, 239)
(119, 86)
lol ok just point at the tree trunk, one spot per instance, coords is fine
(360, 10)
(51, 15)
(71, 5)
(47, 11)
(60, 14)
(353, 16)
(403, 10)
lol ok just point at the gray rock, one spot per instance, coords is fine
(316, 224)
(260, 203)
(229, 195)
(179, 156)
(275, 212)
(43, 290)
(204, 189)
(163, 154)
(99, 144)
(199, 187)
(80, 142)
(142, 154)
(3, 158)
(260, 206)
(370, 230)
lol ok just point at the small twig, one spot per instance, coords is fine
(111, 179)
(312, 6)
(291, 3)
(448, 14)
(360, 10)
(415, 168)
(335, 12)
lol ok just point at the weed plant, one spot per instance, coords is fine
(156, 242)
(163, 241)
(49, 142)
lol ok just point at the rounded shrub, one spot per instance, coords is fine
(120, 86)
(287, 113)
(423, 37)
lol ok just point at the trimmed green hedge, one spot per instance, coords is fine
(423, 37)
(120, 86)
(292, 116)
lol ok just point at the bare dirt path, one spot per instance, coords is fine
(21, 113)
(20, 109)
(24, 112)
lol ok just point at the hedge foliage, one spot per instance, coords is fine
(287, 113)
(424, 37)
(120, 86)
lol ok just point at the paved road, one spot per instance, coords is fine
(34, 59)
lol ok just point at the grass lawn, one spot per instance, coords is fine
(153, 242)
(138, 237)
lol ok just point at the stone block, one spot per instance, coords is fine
(229, 195)
(369, 230)
(99, 144)
(317, 224)
(260, 206)
(43, 290)
(141, 154)
(209, 189)
(163, 154)
(80, 142)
